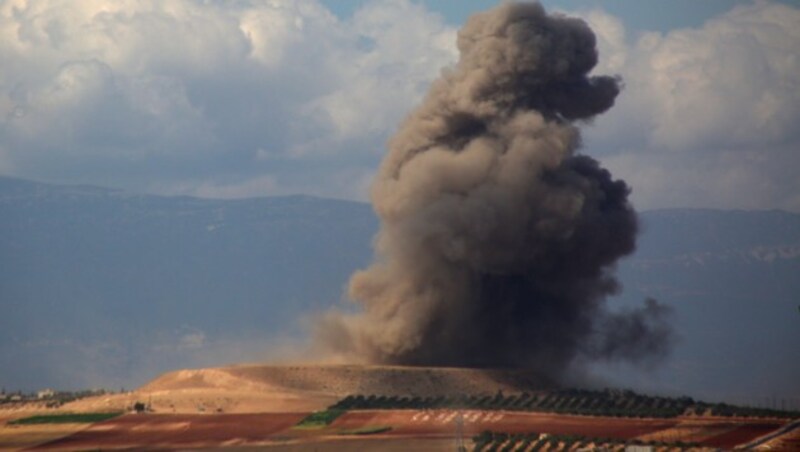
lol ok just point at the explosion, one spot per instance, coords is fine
(498, 238)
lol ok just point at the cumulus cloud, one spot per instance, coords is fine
(209, 98)
(708, 114)
(246, 98)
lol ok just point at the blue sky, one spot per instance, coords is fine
(249, 98)
(659, 15)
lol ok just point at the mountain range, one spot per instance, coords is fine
(106, 288)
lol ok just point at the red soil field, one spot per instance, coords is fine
(153, 431)
(789, 441)
(740, 434)
(442, 422)
(179, 430)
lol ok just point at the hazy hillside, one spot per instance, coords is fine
(733, 278)
(102, 287)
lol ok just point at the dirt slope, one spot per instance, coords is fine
(342, 380)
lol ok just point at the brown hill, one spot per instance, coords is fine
(342, 380)
(277, 388)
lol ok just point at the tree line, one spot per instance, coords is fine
(489, 441)
(607, 402)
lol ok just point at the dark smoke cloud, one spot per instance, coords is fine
(498, 239)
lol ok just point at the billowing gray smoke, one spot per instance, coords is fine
(498, 239)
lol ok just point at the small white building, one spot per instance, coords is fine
(45, 393)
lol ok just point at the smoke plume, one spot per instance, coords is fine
(498, 239)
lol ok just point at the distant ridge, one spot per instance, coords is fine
(106, 288)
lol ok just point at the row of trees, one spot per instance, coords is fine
(572, 401)
(723, 409)
(488, 441)
(608, 402)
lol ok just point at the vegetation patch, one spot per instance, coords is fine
(608, 402)
(367, 430)
(488, 441)
(66, 418)
(320, 419)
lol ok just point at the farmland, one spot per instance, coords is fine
(337, 408)
(481, 430)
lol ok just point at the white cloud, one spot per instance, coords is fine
(611, 41)
(737, 78)
(708, 116)
(249, 98)
(149, 95)
(401, 49)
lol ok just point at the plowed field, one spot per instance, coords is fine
(415, 423)
(176, 431)
(739, 434)
(180, 431)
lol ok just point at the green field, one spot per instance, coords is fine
(368, 430)
(66, 418)
(320, 419)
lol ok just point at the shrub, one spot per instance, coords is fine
(320, 419)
